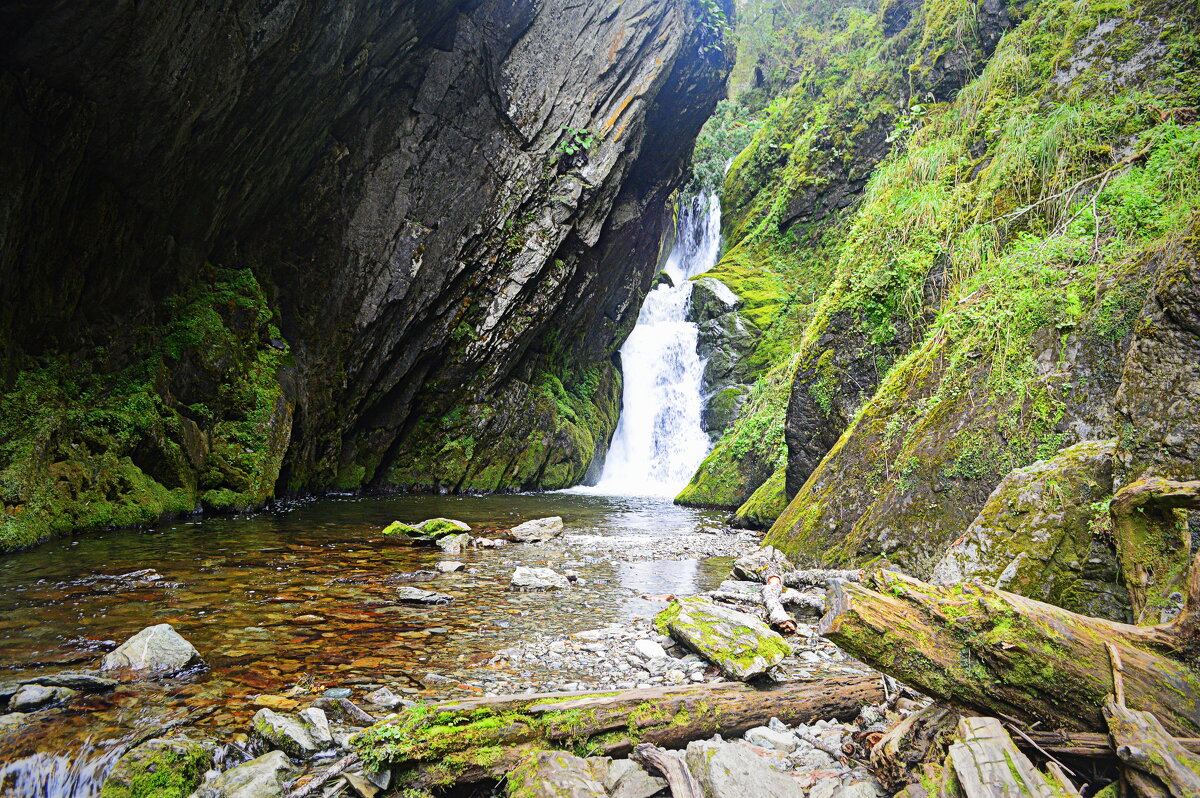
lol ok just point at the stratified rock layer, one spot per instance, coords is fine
(287, 247)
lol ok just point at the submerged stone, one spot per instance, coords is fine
(32, 697)
(415, 595)
(740, 645)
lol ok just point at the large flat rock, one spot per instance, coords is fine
(739, 644)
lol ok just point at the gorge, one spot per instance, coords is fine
(477, 393)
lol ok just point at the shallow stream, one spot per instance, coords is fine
(301, 600)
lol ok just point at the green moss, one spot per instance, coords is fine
(115, 438)
(170, 768)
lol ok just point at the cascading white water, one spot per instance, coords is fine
(659, 441)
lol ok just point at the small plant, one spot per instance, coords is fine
(714, 25)
(577, 141)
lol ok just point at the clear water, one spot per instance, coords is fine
(659, 441)
(298, 600)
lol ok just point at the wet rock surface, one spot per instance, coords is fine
(155, 649)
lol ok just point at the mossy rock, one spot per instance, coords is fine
(1045, 533)
(765, 505)
(401, 528)
(166, 767)
(740, 645)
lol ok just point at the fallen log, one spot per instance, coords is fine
(997, 653)
(672, 767)
(1152, 540)
(988, 765)
(1144, 745)
(777, 616)
(1095, 745)
(459, 742)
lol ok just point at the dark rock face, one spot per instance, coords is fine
(425, 265)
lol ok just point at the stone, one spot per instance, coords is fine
(826, 788)
(32, 697)
(361, 785)
(338, 692)
(765, 737)
(402, 529)
(740, 645)
(440, 527)
(624, 778)
(83, 681)
(415, 595)
(675, 676)
(859, 789)
(537, 531)
(729, 770)
(155, 649)
(166, 766)
(280, 702)
(453, 545)
(649, 650)
(384, 697)
(538, 579)
(1036, 535)
(12, 722)
(265, 777)
(301, 736)
(449, 566)
(554, 774)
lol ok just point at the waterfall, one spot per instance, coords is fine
(659, 441)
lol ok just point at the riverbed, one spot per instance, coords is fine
(291, 603)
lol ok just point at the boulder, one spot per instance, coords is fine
(385, 698)
(414, 595)
(729, 770)
(538, 530)
(624, 778)
(449, 566)
(539, 579)
(265, 777)
(165, 767)
(300, 736)
(710, 299)
(1041, 534)
(739, 644)
(158, 649)
(452, 545)
(723, 408)
(32, 697)
(12, 722)
(554, 774)
(428, 531)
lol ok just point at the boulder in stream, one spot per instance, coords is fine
(537, 531)
(415, 595)
(156, 648)
(428, 531)
(265, 777)
(32, 697)
(452, 545)
(539, 579)
(164, 766)
(449, 566)
(740, 645)
(301, 736)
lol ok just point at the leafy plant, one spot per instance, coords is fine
(577, 141)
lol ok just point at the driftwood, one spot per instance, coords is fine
(470, 740)
(1144, 745)
(1000, 654)
(788, 597)
(1094, 745)
(921, 737)
(777, 616)
(314, 785)
(988, 765)
(672, 767)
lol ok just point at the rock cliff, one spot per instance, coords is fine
(293, 246)
(979, 223)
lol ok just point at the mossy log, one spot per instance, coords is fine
(1152, 538)
(1165, 766)
(997, 653)
(457, 742)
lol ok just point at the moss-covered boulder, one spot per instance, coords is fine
(428, 531)
(1045, 533)
(740, 645)
(165, 767)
